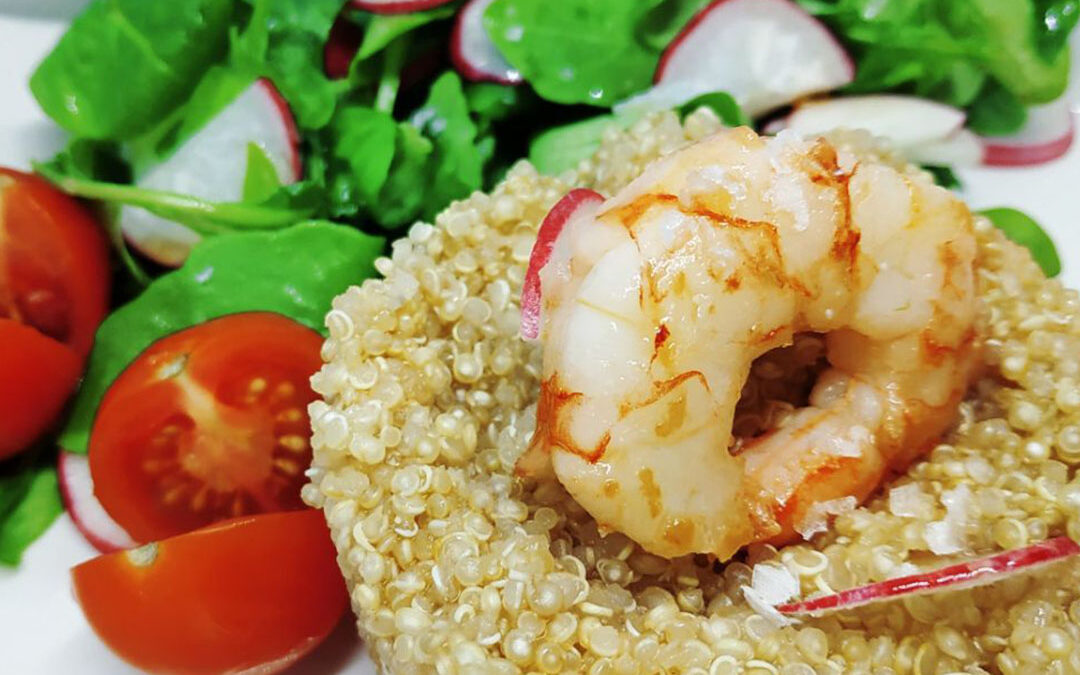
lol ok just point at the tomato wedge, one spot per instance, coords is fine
(253, 593)
(54, 288)
(54, 263)
(36, 375)
(206, 424)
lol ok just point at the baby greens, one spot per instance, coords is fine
(29, 502)
(295, 272)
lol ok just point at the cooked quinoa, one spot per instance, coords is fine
(456, 567)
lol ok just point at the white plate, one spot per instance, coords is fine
(41, 627)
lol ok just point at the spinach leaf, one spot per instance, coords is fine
(1022, 229)
(723, 104)
(944, 176)
(561, 148)
(584, 51)
(124, 64)
(659, 26)
(295, 272)
(260, 178)
(29, 503)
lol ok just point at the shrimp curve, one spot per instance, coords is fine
(657, 301)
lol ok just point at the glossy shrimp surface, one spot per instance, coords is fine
(657, 301)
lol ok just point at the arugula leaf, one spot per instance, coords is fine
(365, 143)
(583, 51)
(383, 29)
(944, 176)
(723, 104)
(29, 503)
(399, 201)
(260, 179)
(561, 148)
(948, 49)
(1022, 229)
(124, 64)
(295, 272)
(996, 112)
(284, 42)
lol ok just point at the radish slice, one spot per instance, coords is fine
(549, 231)
(765, 53)
(474, 54)
(341, 46)
(1047, 135)
(954, 577)
(89, 516)
(396, 6)
(961, 148)
(904, 120)
(212, 164)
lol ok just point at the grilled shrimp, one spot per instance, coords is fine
(657, 301)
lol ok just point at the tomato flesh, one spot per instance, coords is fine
(54, 264)
(208, 423)
(250, 593)
(37, 374)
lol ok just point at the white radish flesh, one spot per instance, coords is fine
(212, 165)
(89, 516)
(1046, 135)
(904, 120)
(473, 52)
(765, 53)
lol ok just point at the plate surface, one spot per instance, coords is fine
(42, 630)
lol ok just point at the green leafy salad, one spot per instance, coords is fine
(259, 155)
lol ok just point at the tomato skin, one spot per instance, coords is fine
(254, 591)
(37, 374)
(181, 418)
(60, 237)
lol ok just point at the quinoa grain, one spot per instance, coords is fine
(454, 567)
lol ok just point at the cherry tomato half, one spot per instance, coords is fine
(54, 262)
(254, 593)
(206, 424)
(54, 287)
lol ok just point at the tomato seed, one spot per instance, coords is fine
(293, 443)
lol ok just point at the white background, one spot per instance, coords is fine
(41, 627)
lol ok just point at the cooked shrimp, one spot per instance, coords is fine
(657, 302)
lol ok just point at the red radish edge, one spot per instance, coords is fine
(704, 12)
(89, 516)
(549, 231)
(953, 577)
(290, 125)
(396, 6)
(1005, 154)
(341, 46)
(457, 54)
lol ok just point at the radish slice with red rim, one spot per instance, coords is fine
(212, 165)
(396, 6)
(1046, 135)
(474, 53)
(765, 53)
(968, 574)
(549, 231)
(89, 516)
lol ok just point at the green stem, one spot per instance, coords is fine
(204, 217)
(133, 267)
(390, 82)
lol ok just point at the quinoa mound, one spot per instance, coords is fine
(455, 567)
